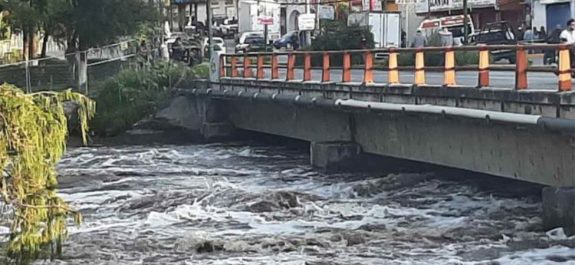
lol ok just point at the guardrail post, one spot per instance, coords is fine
(275, 67)
(247, 70)
(234, 66)
(307, 67)
(564, 69)
(449, 75)
(393, 72)
(260, 69)
(290, 75)
(325, 74)
(346, 75)
(419, 68)
(368, 70)
(521, 65)
(483, 67)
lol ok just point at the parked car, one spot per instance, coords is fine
(498, 33)
(287, 41)
(191, 52)
(251, 41)
(196, 27)
(229, 28)
(219, 42)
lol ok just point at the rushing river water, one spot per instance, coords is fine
(253, 204)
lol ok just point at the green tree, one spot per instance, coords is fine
(33, 132)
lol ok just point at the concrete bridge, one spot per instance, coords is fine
(519, 132)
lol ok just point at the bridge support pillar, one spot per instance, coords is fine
(334, 156)
(559, 209)
(213, 131)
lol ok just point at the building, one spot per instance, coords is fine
(481, 11)
(183, 11)
(550, 13)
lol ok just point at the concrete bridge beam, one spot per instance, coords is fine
(334, 156)
(559, 209)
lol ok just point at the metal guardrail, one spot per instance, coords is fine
(230, 67)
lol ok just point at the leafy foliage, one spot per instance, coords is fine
(134, 94)
(33, 132)
(81, 24)
(337, 36)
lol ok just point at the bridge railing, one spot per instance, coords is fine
(267, 65)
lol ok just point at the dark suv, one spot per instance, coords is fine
(498, 33)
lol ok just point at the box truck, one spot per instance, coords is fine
(385, 27)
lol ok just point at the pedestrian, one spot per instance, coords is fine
(419, 41)
(509, 35)
(446, 37)
(535, 34)
(143, 53)
(550, 56)
(403, 39)
(528, 35)
(520, 33)
(177, 50)
(568, 37)
(542, 33)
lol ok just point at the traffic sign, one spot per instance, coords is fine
(306, 22)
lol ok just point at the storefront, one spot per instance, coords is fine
(551, 13)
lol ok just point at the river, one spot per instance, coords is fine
(248, 203)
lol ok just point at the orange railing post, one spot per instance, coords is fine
(521, 65)
(290, 75)
(247, 70)
(346, 75)
(325, 74)
(307, 67)
(393, 72)
(368, 70)
(260, 69)
(419, 68)
(564, 69)
(222, 66)
(234, 66)
(449, 74)
(275, 67)
(483, 67)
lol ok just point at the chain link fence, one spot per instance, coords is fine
(78, 71)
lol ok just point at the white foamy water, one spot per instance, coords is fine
(239, 204)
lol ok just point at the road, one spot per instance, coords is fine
(536, 81)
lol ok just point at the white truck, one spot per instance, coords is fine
(252, 15)
(385, 27)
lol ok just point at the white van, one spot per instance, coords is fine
(452, 23)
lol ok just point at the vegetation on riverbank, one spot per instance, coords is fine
(135, 94)
(33, 132)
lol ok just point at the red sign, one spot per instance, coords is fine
(265, 20)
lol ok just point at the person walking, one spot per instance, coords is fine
(143, 53)
(550, 56)
(542, 33)
(568, 37)
(446, 37)
(419, 41)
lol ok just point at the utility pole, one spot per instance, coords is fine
(572, 9)
(308, 32)
(210, 35)
(317, 28)
(465, 22)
